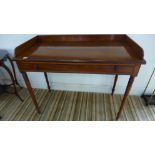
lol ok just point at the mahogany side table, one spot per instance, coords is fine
(93, 54)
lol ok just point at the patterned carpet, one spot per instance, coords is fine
(73, 106)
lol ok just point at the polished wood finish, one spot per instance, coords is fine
(28, 84)
(131, 80)
(95, 54)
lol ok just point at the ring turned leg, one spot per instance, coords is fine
(14, 72)
(131, 80)
(47, 81)
(13, 81)
(115, 81)
(28, 84)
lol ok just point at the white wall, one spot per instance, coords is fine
(87, 82)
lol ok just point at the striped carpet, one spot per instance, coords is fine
(73, 106)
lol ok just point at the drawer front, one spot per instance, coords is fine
(124, 69)
(75, 68)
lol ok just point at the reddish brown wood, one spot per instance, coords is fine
(28, 84)
(128, 88)
(92, 68)
(115, 81)
(81, 48)
(95, 54)
(47, 81)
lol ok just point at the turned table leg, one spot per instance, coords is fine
(131, 80)
(114, 86)
(28, 84)
(47, 81)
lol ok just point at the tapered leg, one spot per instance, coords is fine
(115, 81)
(131, 80)
(13, 81)
(28, 84)
(48, 85)
(14, 72)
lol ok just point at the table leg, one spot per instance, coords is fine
(13, 81)
(115, 81)
(28, 84)
(47, 81)
(131, 80)
(14, 72)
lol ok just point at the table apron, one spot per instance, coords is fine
(92, 68)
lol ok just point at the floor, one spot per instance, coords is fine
(73, 106)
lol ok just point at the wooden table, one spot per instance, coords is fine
(95, 54)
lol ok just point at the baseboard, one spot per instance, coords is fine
(82, 87)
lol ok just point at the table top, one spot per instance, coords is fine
(81, 48)
(82, 54)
